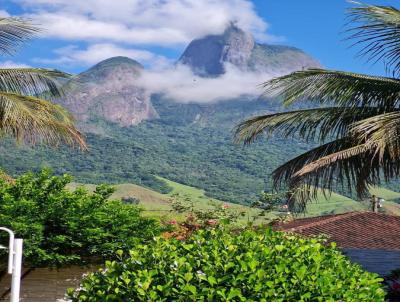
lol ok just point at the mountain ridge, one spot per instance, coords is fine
(239, 48)
(111, 90)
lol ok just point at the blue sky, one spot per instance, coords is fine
(312, 25)
(317, 26)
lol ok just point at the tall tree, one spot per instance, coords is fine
(356, 122)
(24, 112)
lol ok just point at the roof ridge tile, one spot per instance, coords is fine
(324, 221)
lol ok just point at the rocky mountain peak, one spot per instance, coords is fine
(110, 66)
(109, 91)
(238, 46)
(117, 61)
(208, 56)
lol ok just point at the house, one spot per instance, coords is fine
(370, 239)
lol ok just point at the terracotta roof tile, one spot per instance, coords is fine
(361, 230)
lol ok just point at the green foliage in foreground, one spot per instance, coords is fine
(61, 227)
(215, 265)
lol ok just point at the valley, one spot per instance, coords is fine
(155, 204)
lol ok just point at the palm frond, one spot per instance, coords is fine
(356, 167)
(339, 163)
(31, 81)
(332, 158)
(282, 176)
(310, 124)
(13, 32)
(378, 30)
(300, 195)
(23, 115)
(335, 88)
(382, 131)
(32, 120)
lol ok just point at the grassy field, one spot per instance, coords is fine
(340, 204)
(196, 195)
(159, 205)
(385, 193)
(391, 203)
(201, 201)
(154, 203)
(334, 204)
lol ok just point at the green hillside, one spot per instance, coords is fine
(195, 194)
(337, 203)
(333, 204)
(190, 144)
(201, 201)
(392, 199)
(159, 205)
(154, 203)
(387, 194)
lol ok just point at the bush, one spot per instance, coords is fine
(62, 227)
(214, 265)
(130, 200)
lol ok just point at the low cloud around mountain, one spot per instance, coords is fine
(224, 67)
(181, 84)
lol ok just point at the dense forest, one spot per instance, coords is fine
(189, 143)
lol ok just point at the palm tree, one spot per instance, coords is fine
(24, 114)
(356, 122)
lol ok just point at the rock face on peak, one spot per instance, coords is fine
(209, 55)
(109, 91)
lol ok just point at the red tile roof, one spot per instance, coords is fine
(359, 230)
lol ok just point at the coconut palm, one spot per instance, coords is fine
(24, 114)
(356, 122)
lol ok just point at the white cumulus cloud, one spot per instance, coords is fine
(12, 64)
(4, 14)
(94, 30)
(73, 55)
(158, 22)
(180, 84)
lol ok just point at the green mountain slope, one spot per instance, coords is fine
(159, 205)
(190, 144)
(333, 204)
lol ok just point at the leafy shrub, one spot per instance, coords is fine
(63, 227)
(217, 214)
(269, 202)
(217, 211)
(130, 200)
(214, 265)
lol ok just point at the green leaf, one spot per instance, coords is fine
(233, 293)
(211, 280)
